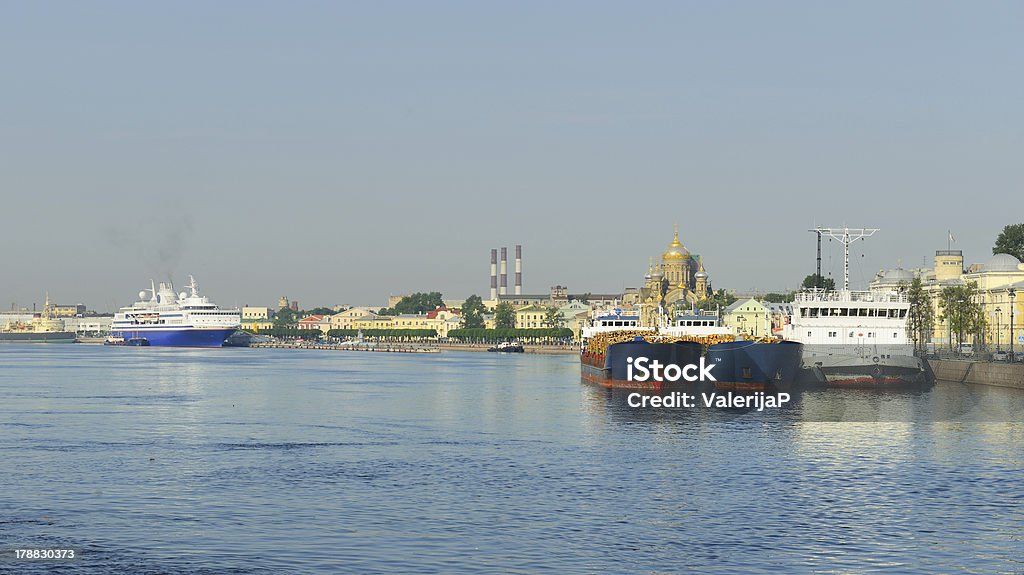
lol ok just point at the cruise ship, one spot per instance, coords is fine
(164, 318)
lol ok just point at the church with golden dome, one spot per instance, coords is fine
(677, 279)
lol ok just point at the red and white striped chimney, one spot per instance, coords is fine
(503, 286)
(494, 274)
(519, 269)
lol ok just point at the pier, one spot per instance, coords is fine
(385, 348)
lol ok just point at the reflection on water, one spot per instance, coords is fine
(282, 461)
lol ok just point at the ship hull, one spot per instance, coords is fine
(178, 337)
(610, 369)
(875, 372)
(38, 337)
(746, 366)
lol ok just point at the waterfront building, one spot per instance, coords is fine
(257, 325)
(780, 314)
(748, 316)
(994, 279)
(531, 317)
(345, 319)
(677, 280)
(96, 325)
(311, 321)
(254, 313)
(65, 310)
(574, 316)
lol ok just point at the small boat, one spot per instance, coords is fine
(508, 347)
(114, 341)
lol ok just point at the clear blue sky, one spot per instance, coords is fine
(338, 151)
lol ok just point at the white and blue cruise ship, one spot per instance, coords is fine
(163, 318)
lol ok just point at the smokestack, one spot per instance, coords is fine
(504, 272)
(519, 269)
(494, 275)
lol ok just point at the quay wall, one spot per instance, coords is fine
(979, 372)
(527, 348)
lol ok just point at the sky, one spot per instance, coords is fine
(338, 152)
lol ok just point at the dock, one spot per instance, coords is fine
(383, 348)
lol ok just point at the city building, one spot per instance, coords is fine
(65, 310)
(995, 278)
(748, 316)
(346, 319)
(254, 313)
(531, 317)
(311, 321)
(677, 280)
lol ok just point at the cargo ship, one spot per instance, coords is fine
(613, 343)
(36, 328)
(163, 318)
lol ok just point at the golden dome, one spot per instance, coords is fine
(675, 250)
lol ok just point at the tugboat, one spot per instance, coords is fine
(507, 347)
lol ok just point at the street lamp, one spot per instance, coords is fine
(999, 334)
(1013, 296)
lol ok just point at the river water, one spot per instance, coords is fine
(151, 460)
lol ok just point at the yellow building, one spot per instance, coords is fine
(677, 279)
(994, 279)
(531, 317)
(749, 317)
(257, 325)
(345, 319)
(253, 313)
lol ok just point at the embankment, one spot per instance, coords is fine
(979, 372)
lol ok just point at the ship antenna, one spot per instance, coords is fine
(846, 236)
(192, 285)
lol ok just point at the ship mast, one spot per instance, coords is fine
(846, 236)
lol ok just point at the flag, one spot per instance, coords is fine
(951, 238)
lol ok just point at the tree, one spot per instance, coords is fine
(778, 297)
(415, 304)
(814, 280)
(1011, 241)
(921, 316)
(504, 316)
(552, 318)
(720, 299)
(962, 314)
(473, 312)
(285, 318)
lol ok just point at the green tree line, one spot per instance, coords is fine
(509, 333)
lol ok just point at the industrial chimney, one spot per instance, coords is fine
(504, 272)
(519, 269)
(494, 274)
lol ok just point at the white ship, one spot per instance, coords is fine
(856, 338)
(164, 318)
